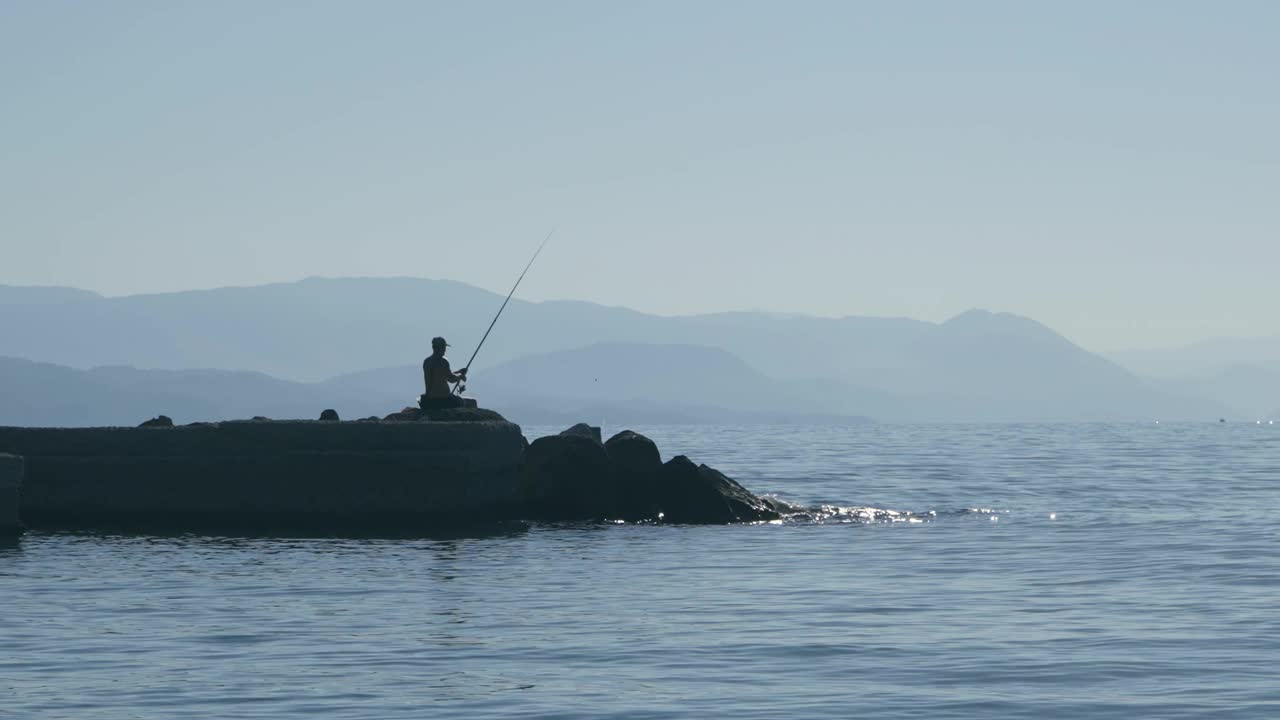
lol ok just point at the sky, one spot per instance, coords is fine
(1111, 169)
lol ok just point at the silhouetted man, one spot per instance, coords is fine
(437, 375)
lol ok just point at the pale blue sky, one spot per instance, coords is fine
(1109, 168)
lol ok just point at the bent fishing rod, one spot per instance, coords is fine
(457, 388)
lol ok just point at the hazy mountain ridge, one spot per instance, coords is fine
(1248, 390)
(636, 375)
(43, 394)
(44, 294)
(1241, 373)
(978, 365)
(33, 393)
(292, 330)
(1203, 359)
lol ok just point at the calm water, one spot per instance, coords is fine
(1070, 571)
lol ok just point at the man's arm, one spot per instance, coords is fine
(453, 376)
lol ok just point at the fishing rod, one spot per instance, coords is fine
(457, 388)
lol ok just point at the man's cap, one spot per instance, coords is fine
(438, 341)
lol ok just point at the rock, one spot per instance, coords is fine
(585, 430)
(637, 468)
(691, 493)
(568, 477)
(458, 414)
(780, 506)
(572, 476)
(632, 451)
(329, 415)
(159, 421)
(461, 414)
(408, 414)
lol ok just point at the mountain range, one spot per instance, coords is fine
(1243, 373)
(44, 394)
(1203, 359)
(295, 348)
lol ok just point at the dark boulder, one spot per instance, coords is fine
(572, 476)
(637, 468)
(689, 493)
(159, 421)
(329, 415)
(632, 451)
(569, 477)
(585, 430)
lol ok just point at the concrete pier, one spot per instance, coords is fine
(10, 492)
(265, 473)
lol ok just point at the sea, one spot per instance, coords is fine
(942, 571)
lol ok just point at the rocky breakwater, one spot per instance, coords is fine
(577, 476)
(411, 470)
(270, 474)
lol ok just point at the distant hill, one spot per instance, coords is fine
(43, 394)
(627, 377)
(1203, 359)
(1240, 374)
(34, 393)
(44, 295)
(695, 381)
(298, 331)
(976, 366)
(1247, 391)
(633, 372)
(998, 365)
(631, 382)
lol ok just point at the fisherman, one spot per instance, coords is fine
(437, 375)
